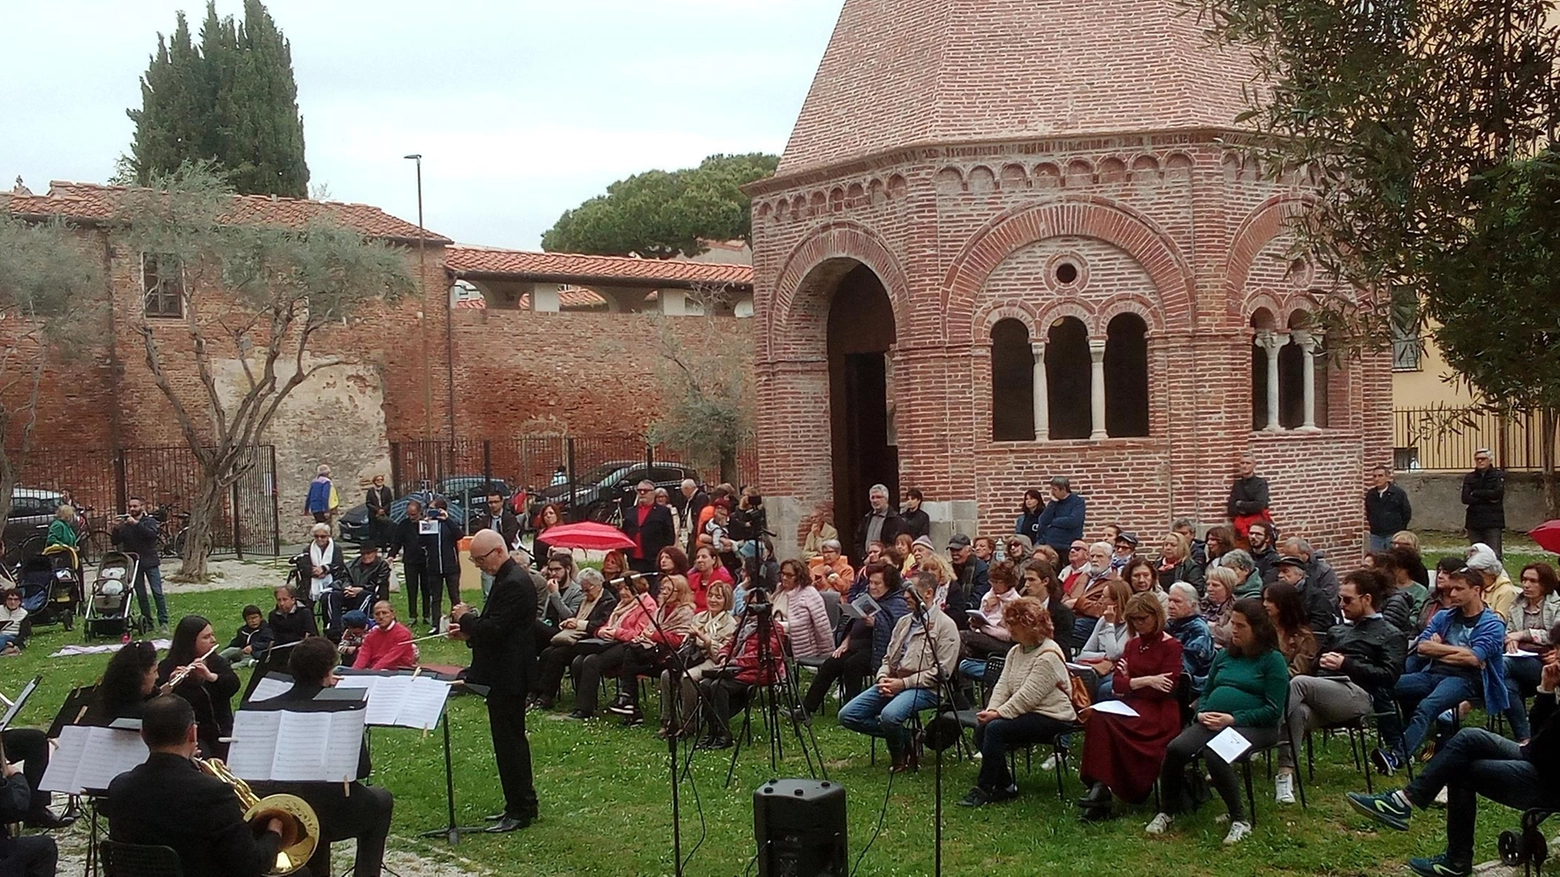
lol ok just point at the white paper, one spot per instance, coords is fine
(423, 703)
(253, 749)
(90, 758)
(355, 681)
(1518, 653)
(1115, 708)
(269, 687)
(1229, 745)
(427, 527)
(384, 697)
(320, 746)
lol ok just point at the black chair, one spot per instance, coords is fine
(138, 860)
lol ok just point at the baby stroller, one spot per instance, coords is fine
(50, 584)
(108, 608)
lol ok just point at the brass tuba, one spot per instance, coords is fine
(300, 825)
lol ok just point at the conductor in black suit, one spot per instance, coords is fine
(168, 801)
(502, 648)
(650, 526)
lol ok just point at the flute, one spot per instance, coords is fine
(175, 679)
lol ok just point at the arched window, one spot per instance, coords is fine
(1261, 376)
(1068, 374)
(1126, 376)
(1292, 375)
(1012, 383)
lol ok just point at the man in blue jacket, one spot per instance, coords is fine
(1460, 656)
(1062, 521)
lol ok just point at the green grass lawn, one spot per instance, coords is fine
(606, 807)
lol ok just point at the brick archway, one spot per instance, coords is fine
(797, 289)
(1256, 231)
(1081, 216)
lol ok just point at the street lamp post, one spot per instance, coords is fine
(423, 309)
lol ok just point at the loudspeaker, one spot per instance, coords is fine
(800, 828)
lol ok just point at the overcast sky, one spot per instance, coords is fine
(521, 109)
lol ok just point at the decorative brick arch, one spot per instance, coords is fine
(836, 240)
(1128, 303)
(1256, 231)
(1061, 308)
(1089, 216)
(992, 313)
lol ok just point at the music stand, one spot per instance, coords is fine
(452, 831)
(13, 707)
(73, 710)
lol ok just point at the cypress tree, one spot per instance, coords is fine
(233, 102)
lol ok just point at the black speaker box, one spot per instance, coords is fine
(800, 828)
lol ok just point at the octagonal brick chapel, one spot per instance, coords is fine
(1007, 240)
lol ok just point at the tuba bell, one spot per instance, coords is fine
(300, 825)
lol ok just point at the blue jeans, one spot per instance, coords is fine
(151, 575)
(5, 640)
(974, 669)
(1473, 763)
(875, 715)
(1380, 543)
(1425, 696)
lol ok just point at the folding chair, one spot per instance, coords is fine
(138, 860)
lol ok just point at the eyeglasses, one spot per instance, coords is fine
(1137, 617)
(488, 553)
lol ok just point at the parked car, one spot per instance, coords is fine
(32, 511)
(354, 521)
(601, 493)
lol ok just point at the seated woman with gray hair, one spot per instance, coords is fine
(1239, 560)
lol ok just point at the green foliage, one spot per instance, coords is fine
(231, 102)
(660, 214)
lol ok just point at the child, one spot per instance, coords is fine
(11, 617)
(355, 627)
(251, 640)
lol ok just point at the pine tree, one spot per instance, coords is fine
(232, 103)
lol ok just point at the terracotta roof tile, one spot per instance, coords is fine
(88, 201)
(466, 260)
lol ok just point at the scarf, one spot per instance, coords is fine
(321, 557)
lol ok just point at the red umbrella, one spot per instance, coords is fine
(587, 535)
(1547, 535)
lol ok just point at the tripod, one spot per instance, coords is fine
(778, 687)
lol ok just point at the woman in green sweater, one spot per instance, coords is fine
(1245, 690)
(62, 530)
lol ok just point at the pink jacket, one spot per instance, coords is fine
(635, 621)
(807, 623)
(390, 649)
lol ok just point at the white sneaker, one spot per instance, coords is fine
(1440, 797)
(1160, 822)
(1284, 788)
(1238, 832)
(1049, 763)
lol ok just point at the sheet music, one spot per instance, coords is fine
(1115, 708)
(90, 758)
(255, 733)
(1229, 744)
(304, 760)
(321, 746)
(269, 687)
(355, 681)
(422, 703)
(384, 697)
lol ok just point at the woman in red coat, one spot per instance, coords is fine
(1122, 754)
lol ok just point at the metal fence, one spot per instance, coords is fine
(557, 467)
(101, 482)
(1444, 439)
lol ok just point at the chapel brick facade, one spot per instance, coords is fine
(964, 153)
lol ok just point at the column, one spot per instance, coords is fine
(1271, 342)
(1042, 394)
(1097, 388)
(1307, 343)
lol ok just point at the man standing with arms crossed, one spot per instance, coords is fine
(502, 648)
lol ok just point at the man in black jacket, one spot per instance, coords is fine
(502, 649)
(378, 500)
(498, 519)
(347, 811)
(440, 537)
(649, 525)
(406, 542)
(1484, 493)
(168, 801)
(1387, 509)
(24, 855)
(137, 535)
(1476, 762)
(972, 579)
(881, 524)
(366, 582)
(1359, 663)
(1320, 612)
(1248, 496)
(1260, 537)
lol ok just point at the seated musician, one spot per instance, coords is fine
(388, 644)
(207, 681)
(168, 801)
(367, 581)
(345, 810)
(30, 855)
(128, 681)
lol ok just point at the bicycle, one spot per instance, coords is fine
(173, 530)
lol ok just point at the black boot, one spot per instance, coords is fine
(1098, 794)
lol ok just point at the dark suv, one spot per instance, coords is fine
(600, 493)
